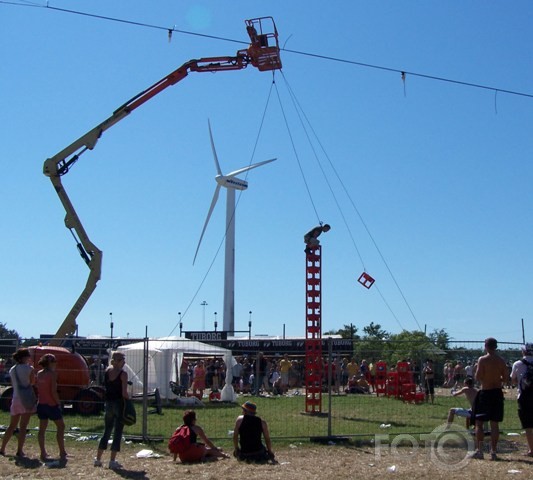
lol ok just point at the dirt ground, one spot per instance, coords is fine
(294, 462)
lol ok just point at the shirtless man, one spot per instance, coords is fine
(470, 392)
(492, 374)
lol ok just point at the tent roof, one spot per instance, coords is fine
(177, 344)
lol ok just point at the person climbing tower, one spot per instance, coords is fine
(311, 237)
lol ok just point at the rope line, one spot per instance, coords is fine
(299, 111)
(296, 155)
(402, 72)
(339, 178)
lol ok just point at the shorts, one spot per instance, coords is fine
(488, 405)
(284, 378)
(195, 453)
(462, 412)
(525, 409)
(49, 412)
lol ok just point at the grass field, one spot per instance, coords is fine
(357, 416)
(352, 416)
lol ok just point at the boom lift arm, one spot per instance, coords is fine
(262, 53)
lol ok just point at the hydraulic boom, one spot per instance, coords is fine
(262, 53)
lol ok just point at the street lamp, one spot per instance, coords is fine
(250, 325)
(111, 323)
(181, 324)
(216, 324)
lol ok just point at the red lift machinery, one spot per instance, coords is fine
(262, 53)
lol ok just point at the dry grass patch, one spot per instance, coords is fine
(295, 462)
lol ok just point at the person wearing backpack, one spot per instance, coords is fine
(184, 442)
(522, 375)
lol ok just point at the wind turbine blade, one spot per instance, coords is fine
(211, 208)
(217, 165)
(245, 169)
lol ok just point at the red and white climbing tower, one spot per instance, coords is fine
(313, 330)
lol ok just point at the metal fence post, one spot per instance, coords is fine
(145, 386)
(330, 359)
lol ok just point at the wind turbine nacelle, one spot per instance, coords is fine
(232, 182)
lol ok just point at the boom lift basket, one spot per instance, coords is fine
(264, 47)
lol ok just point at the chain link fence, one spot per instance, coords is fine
(169, 376)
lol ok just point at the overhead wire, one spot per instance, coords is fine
(402, 71)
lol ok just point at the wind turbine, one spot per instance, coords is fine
(231, 183)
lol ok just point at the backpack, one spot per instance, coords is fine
(526, 382)
(180, 440)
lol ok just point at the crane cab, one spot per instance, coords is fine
(264, 47)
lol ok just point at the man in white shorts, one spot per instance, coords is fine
(470, 393)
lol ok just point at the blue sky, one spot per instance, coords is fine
(441, 173)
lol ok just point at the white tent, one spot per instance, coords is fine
(164, 359)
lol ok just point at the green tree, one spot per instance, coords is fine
(8, 333)
(374, 331)
(411, 345)
(440, 338)
(373, 346)
(348, 331)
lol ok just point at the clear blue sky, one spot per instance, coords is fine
(441, 173)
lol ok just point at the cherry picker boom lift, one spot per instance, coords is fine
(262, 53)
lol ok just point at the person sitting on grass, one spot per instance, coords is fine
(470, 393)
(198, 452)
(247, 436)
(357, 384)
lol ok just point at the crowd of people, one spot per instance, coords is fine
(481, 383)
(276, 375)
(249, 429)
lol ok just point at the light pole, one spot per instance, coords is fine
(181, 324)
(216, 324)
(250, 325)
(111, 323)
(203, 304)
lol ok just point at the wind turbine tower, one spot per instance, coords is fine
(231, 183)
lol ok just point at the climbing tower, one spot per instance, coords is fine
(313, 330)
